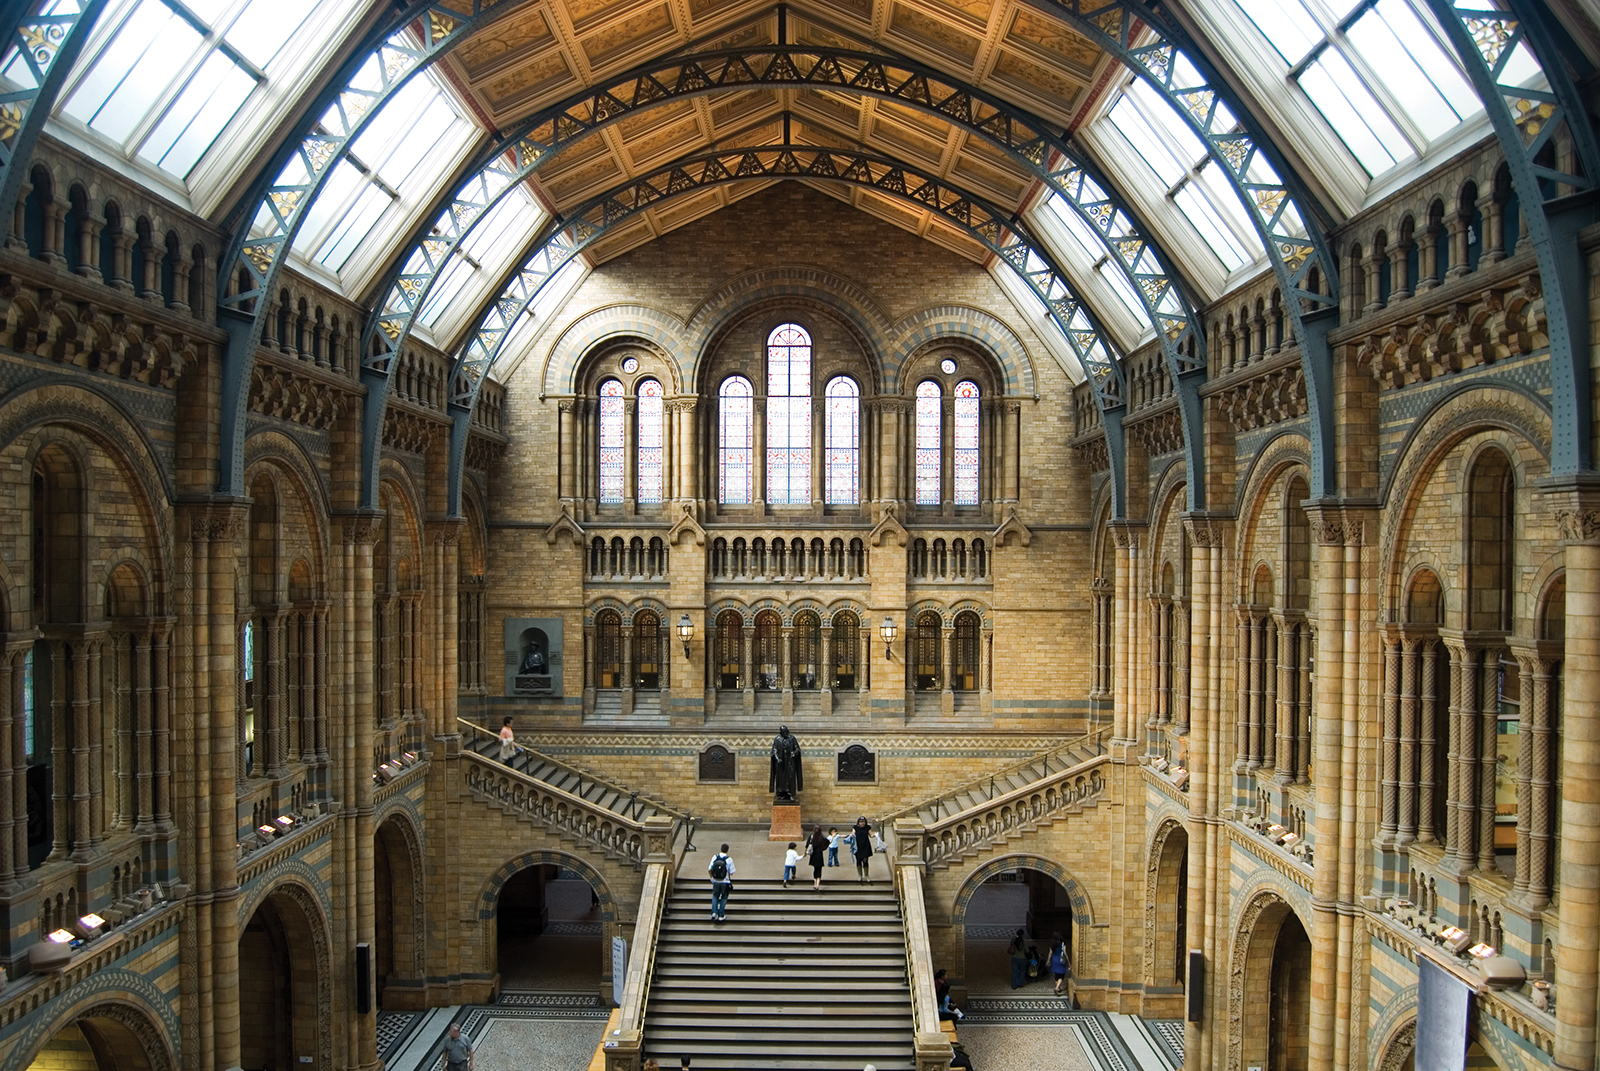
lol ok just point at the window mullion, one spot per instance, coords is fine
(158, 111)
(1372, 83)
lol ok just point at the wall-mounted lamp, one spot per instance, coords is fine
(685, 633)
(887, 631)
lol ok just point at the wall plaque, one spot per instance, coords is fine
(717, 763)
(533, 656)
(858, 765)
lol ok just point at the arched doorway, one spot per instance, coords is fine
(550, 933)
(1273, 953)
(1166, 921)
(1012, 896)
(105, 1038)
(398, 909)
(280, 1021)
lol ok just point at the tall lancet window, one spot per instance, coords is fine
(966, 443)
(650, 469)
(611, 441)
(735, 412)
(789, 415)
(929, 404)
(843, 441)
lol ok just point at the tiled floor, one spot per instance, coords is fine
(1014, 1045)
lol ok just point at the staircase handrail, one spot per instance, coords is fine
(581, 774)
(1091, 737)
(932, 1047)
(564, 812)
(623, 1049)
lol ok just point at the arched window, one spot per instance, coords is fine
(650, 468)
(928, 445)
(735, 410)
(966, 443)
(608, 649)
(789, 415)
(845, 647)
(611, 441)
(247, 675)
(730, 648)
(925, 651)
(965, 677)
(806, 650)
(844, 441)
(646, 650)
(768, 650)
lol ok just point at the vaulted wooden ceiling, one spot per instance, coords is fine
(550, 49)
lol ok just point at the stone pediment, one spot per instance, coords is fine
(1012, 526)
(687, 524)
(564, 524)
(888, 526)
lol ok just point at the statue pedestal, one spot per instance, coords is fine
(785, 822)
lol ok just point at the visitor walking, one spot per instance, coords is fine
(1018, 952)
(508, 741)
(791, 859)
(457, 1050)
(833, 845)
(819, 848)
(862, 832)
(721, 870)
(1058, 961)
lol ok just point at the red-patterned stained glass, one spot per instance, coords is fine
(789, 415)
(966, 443)
(843, 432)
(735, 410)
(650, 468)
(611, 441)
(928, 445)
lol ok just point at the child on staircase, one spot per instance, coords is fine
(791, 859)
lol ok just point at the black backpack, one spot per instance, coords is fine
(719, 868)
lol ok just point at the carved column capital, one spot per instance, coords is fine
(1207, 529)
(360, 526)
(1126, 534)
(446, 532)
(217, 520)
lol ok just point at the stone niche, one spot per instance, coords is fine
(533, 656)
(856, 764)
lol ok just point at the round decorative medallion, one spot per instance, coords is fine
(630, 365)
(949, 366)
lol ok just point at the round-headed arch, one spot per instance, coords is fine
(1082, 910)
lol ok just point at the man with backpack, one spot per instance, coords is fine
(721, 871)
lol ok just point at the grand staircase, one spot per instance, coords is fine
(980, 793)
(599, 793)
(793, 979)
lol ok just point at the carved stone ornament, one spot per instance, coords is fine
(1012, 526)
(1339, 531)
(361, 528)
(687, 524)
(1126, 535)
(564, 525)
(1579, 525)
(717, 763)
(1206, 531)
(888, 528)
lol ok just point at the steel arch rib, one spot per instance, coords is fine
(984, 222)
(1524, 122)
(48, 44)
(1023, 137)
(268, 217)
(1163, 57)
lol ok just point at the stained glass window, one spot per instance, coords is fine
(611, 441)
(789, 415)
(843, 441)
(650, 469)
(928, 458)
(735, 413)
(966, 443)
(29, 730)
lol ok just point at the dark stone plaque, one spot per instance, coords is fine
(857, 765)
(717, 763)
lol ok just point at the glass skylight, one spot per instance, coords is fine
(481, 260)
(162, 79)
(1380, 72)
(403, 155)
(1179, 162)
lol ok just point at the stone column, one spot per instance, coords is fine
(13, 768)
(1202, 546)
(1327, 525)
(748, 666)
(569, 454)
(1541, 786)
(1013, 451)
(786, 668)
(758, 455)
(139, 657)
(1578, 954)
(1488, 746)
(1427, 715)
(1389, 798)
(1406, 817)
(361, 532)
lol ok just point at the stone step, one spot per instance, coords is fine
(767, 988)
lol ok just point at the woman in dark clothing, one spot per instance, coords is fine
(819, 854)
(1019, 960)
(863, 849)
